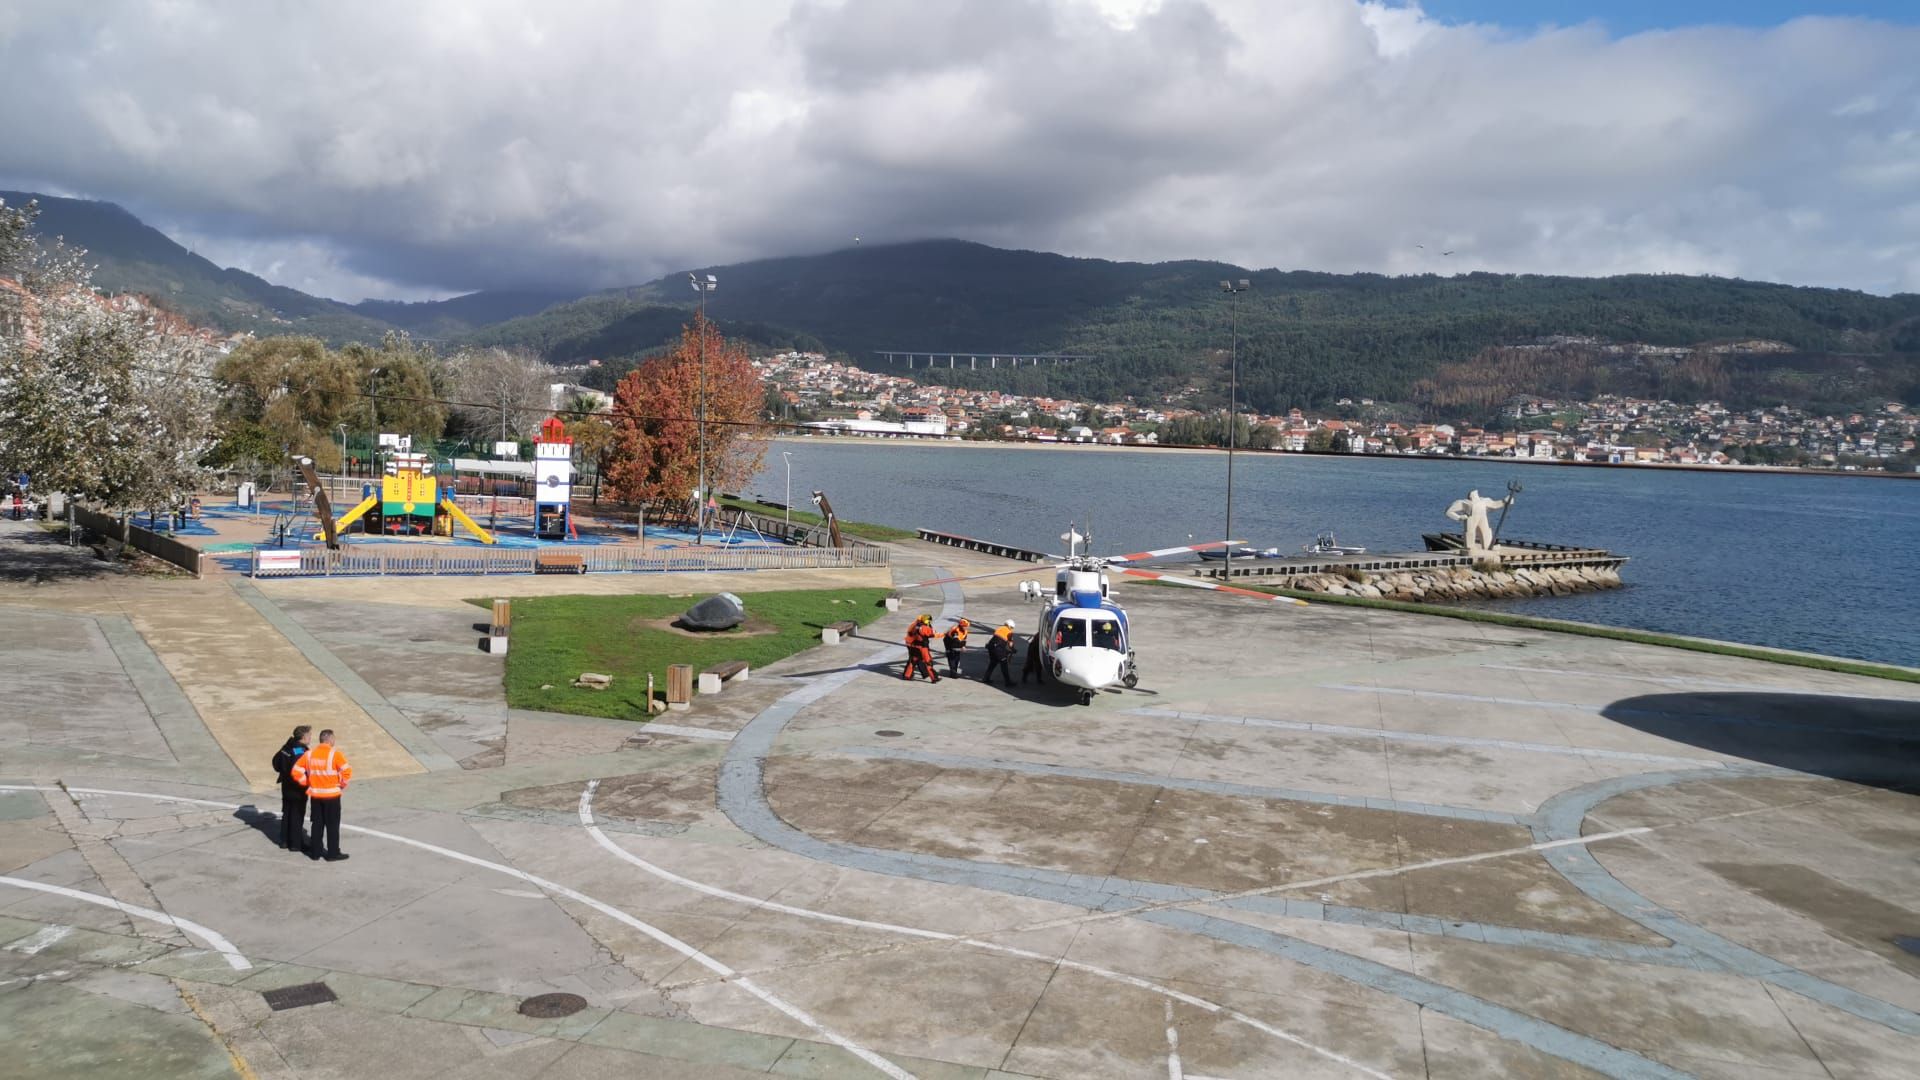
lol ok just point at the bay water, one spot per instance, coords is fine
(1821, 563)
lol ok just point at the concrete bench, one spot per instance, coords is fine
(833, 632)
(559, 562)
(724, 672)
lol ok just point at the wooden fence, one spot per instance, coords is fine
(166, 548)
(439, 559)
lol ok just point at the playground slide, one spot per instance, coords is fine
(460, 516)
(353, 515)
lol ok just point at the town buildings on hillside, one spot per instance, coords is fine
(839, 398)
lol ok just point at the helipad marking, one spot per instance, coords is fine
(726, 973)
(600, 837)
(214, 941)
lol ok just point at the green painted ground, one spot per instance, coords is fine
(555, 638)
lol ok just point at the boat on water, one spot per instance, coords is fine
(1327, 544)
(1238, 554)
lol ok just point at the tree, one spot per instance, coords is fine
(1320, 439)
(497, 387)
(655, 438)
(108, 401)
(295, 388)
(399, 376)
(593, 436)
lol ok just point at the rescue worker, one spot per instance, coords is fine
(1032, 669)
(293, 797)
(956, 642)
(324, 772)
(999, 649)
(920, 649)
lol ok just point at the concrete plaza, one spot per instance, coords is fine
(1314, 842)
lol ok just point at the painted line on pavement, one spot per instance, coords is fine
(726, 973)
(1211, 787)
(1394, 735)
(1215, 1008)
(213, 939)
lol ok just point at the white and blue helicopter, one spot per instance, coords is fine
(1086, 641)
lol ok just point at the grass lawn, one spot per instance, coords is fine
(555, 638)
(861, 529)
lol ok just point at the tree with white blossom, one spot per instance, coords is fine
(108, 401)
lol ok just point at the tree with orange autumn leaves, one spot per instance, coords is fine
(655, 438)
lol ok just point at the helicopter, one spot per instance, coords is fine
(1086, 640)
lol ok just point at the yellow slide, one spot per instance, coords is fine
(353, 515)
(460, 516)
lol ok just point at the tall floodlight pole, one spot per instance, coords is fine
(787, 500)
(1233, 289)
(343, 455)
(702, 284)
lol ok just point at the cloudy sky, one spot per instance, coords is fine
(369, 148)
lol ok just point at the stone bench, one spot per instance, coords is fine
(724, 672)
(559, 562)
(833, 632)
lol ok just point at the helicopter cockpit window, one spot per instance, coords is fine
(1069, 632)
(1106, 635)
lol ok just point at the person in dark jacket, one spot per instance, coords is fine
(1032, 669)
(293, 797)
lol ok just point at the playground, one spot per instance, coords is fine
(421, 514)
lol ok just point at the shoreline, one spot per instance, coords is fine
(1108, 448)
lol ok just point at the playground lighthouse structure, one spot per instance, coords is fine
(553, 481)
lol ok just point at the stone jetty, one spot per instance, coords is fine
(1455, 583)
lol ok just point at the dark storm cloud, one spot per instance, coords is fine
(447, 144)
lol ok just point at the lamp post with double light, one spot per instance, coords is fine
(1233, 289)
(702, 284)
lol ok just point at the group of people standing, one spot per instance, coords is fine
(1000, 648)
(314, 775)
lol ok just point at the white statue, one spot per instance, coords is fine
(1472, 511)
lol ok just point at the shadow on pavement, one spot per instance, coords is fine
(1873, 741)
(31, 554)
(265, 822)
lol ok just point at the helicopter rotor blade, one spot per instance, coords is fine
(1161, 553)
(1195, 583)
(969, 577)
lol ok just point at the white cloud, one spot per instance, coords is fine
(450, 144)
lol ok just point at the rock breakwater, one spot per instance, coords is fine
(1439, 585)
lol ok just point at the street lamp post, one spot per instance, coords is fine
(702, 284)
(787, 500)
(1233, 289)
(343, 456)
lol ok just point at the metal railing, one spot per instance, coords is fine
(392, 560)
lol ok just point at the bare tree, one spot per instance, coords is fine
(500, 387)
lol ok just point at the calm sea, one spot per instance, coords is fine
(1826, 564)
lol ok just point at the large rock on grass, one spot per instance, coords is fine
(722, 611)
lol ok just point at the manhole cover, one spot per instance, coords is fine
(635, 742)
(889, 733)
(1911, 944)
(552, 1006)
(293, 997)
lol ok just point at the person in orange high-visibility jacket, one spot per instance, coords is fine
(920, 649)
(324, 772)
(956, 642)
(999, 650)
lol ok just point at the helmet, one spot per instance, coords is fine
(1009, 624)
(964, 622)
(926, 618)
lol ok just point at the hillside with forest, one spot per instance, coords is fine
(1155, 331)
(129, 255)
(1305, 339)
